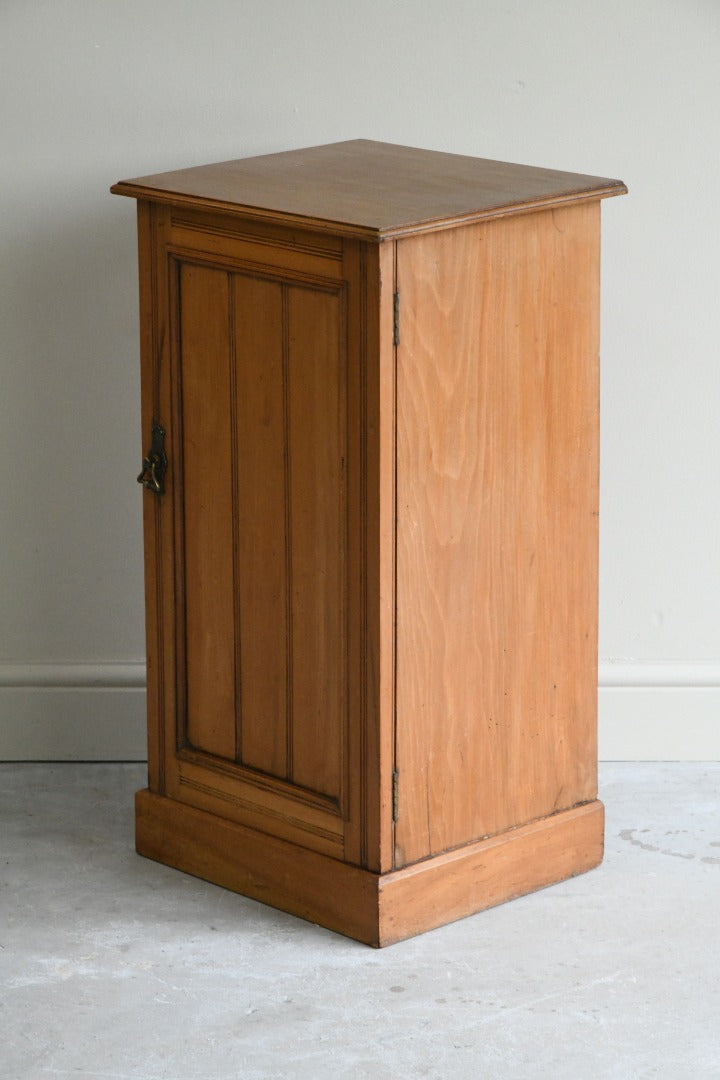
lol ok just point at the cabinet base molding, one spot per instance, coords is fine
(378, 909)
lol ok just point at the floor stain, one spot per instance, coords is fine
(631, 836)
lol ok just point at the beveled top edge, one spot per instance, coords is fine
(368, 189)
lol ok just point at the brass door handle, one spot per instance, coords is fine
(154, 465)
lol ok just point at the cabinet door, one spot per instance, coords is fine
(262, 426)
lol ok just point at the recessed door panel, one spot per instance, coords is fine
(260, 372)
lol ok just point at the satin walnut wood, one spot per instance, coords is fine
(371, 580)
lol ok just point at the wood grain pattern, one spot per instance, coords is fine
(368, 189)
(375, 558)
(162, 705)
(261, 370)
(234, 238)
(268, 240)
(204, 363)
(378, 540)
(376, 909)
(497, 474)
(149, 314)
(255, 799)
(317, 459)
(479, 876)
(261, 569)
(306, 883)
(263, 351)
(359, 705)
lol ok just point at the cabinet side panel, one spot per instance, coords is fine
(205, 396)
(261, 486)
(497, 460)
(317, 457)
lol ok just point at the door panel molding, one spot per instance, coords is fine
(202, 770)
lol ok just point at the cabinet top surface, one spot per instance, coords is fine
(370, 189)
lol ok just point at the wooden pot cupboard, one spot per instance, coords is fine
(370, 438)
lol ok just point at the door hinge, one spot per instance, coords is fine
(396, 318)
(394, 796)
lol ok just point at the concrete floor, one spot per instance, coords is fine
(115, 967)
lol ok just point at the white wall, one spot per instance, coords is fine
(92, 91)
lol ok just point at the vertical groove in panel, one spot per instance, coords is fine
(261, 580)
(288, 531)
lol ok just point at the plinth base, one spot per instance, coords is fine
(378, 909)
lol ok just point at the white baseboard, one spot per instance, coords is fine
(96, 712)
(72, 712)
(659, 711)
